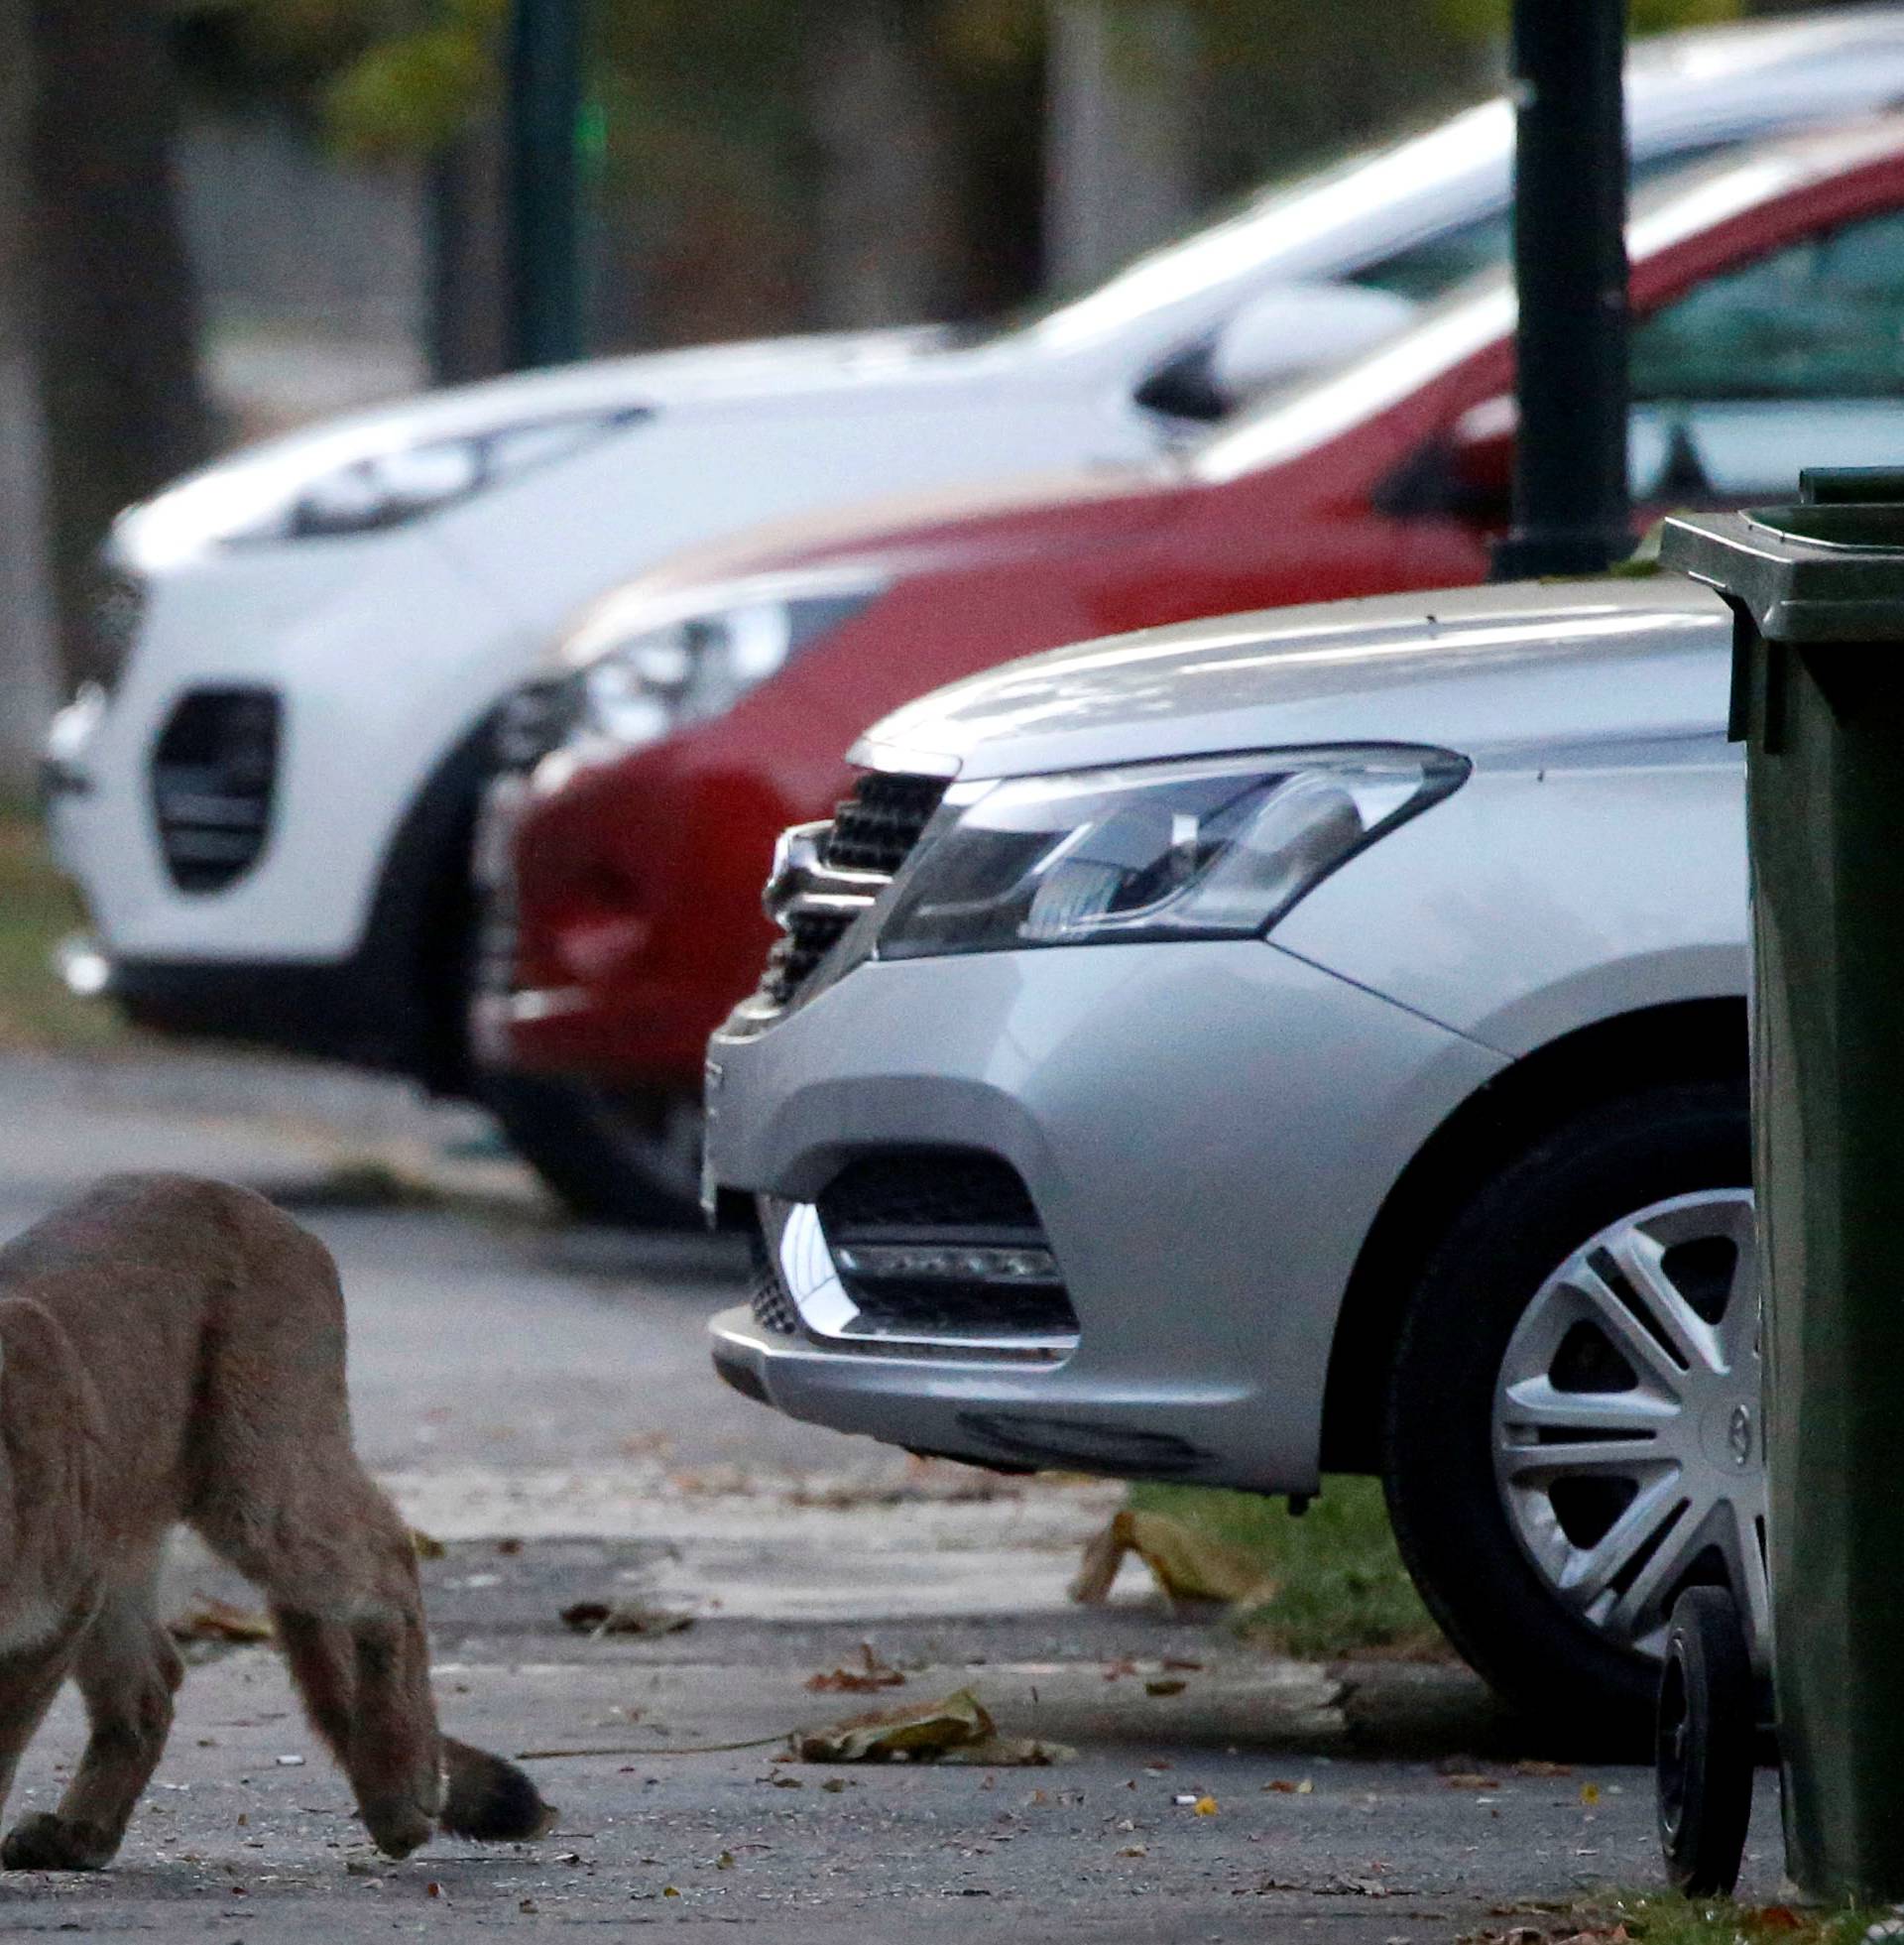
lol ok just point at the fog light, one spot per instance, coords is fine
(962, 1263)
(84, 968)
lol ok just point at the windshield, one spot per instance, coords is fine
(1482, 313)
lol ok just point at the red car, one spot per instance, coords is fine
(711, 706)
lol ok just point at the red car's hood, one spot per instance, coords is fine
(943, 531)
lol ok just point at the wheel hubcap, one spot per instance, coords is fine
(1626, 1433)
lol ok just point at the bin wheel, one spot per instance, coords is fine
(1708, 1731)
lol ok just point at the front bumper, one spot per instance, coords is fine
(352, 1010)
(624, 912)
(362, 731)
(1207, 1130)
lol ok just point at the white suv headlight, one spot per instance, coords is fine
(1213, 848)
(352, 482)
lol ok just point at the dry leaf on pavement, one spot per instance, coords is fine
(1011, 1752)
(596, 1618)
(957, 1728)
(918, 1728)
(872, 1673)
(1186, 1564)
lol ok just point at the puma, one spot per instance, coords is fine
(173, 1350)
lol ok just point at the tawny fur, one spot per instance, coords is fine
(173, 1350)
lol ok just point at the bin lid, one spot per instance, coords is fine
(1829, 570)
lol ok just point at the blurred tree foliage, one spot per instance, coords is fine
(718, 146)
(1490, 16)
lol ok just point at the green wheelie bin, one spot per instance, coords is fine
(1818, 698)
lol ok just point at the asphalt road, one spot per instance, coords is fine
(538, 1398)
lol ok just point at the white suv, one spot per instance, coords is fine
(270, 809)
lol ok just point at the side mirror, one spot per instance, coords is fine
(1295, 328)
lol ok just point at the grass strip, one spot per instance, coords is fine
(37, 908)
(1339, 1585)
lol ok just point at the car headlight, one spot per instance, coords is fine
(352, 482)
(389, 488)
(1216, 848)
(638, 684)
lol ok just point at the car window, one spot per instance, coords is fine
(1436, 264)
(1822, 319)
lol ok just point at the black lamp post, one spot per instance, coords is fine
(543, 266)
(1572, 508)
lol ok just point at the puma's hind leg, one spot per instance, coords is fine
(340, 1575)
(127, 1670)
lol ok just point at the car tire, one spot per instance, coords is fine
(1464, 1476)
(630, 1160)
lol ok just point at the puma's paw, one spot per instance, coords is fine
(398, 1828)
(49, 1843)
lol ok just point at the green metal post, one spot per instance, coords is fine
(1818, 691)
(544, 203)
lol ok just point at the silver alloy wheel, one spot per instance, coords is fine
(1626, 1435)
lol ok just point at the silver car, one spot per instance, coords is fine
(1298, 1043)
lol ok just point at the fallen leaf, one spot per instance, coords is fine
(725, 1862)
(1011, 1752)
(1188, 1565)
(1135, 1850)
(1773, 1917)
(1333, 1887)
(1590, 1794)
(598, 1617)
(1206, 1806)
(1281, 1787)
(920, 1731)
(1470, 1779)
(426, 1547)
(668, 1891)
(872, 1673)
(1171, 1687)
(1530, 1765)
(211, 1620)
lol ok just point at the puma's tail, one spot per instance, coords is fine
(489, 1798)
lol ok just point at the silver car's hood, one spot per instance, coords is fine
(1473, 669)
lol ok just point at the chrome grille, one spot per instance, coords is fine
(538, 718)
(493, 875)
(214, 771)
(876, 829)
(825, 875)
(772, 1307)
